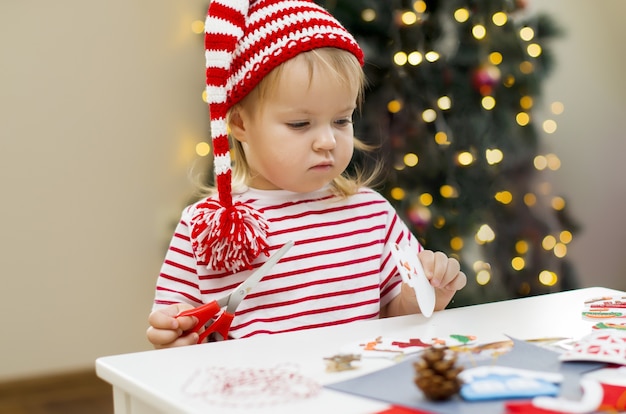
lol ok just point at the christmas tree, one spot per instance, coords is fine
(453, 99)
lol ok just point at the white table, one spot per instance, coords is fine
(159, 381)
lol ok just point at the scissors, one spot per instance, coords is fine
(222, 323)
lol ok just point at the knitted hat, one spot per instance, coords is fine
(244, 41)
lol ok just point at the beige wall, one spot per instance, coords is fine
(99, 112)
(591, 138)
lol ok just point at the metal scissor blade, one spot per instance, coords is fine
(244, 288)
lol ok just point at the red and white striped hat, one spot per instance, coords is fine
(244, 41)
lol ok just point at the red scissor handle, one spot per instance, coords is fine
(204, 314)
(221, 325)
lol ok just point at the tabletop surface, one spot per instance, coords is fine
(286, 373)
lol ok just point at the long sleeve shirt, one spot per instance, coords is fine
(340, 269)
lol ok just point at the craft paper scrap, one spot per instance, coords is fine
(606, 309)
(616, 302)
(395, 347)
(605, 345)
(610, 325)
(475, 353)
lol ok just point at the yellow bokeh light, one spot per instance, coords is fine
(411, 160)
(554, 162)
(557, 108)
(415, 58)
(205, 96)
(526, 102)
(448, 191)
(400, 58)
(509, 81)
(521, 246)
(419, 6)
(522, 119)
(499, 18)
(558, 203)
(540, 162)
(429, 115)
(465, 158)
(526, 68)
(485, 234)
(488, 102)
(566, 236)
(494, 156)
(461, 15)
(479, 31)
(444, 103)
(530, 199)
(197, 26)
(426, 199)
(398, 193)
(432, 56)
(548, 242)
(548, 278)
(409, 18)
(439, 222)
(203, 149)
(495, 58)
(518, 263)
(394, 106)
(526, 33)
(560, 250)
(483, 277)
(549, 126)
(368, 15)
(533, 50)
(479, 265)
(441, 138)
(456, 243)
(504, 197)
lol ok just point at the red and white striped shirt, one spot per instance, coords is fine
(339, 270)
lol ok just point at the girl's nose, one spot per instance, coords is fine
(325, 140)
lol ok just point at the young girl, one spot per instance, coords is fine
(285, 78)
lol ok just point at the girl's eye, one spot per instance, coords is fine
(298, 125)
(344, 121)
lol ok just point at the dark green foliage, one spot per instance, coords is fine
(465, 74)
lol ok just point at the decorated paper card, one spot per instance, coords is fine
(495, 382)
(610, 310)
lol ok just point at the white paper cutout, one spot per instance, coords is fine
(605, 345)
(413, 275)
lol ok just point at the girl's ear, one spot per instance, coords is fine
(237, 126)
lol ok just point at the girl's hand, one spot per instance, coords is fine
(166, 330)
(444, 274)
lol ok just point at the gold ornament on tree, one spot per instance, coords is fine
(436, 374)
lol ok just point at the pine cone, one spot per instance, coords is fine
(437, 374)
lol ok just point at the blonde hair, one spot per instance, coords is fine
(344, 67)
